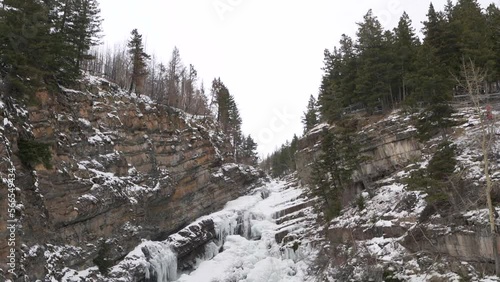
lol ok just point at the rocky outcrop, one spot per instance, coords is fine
(123, 168)
(387, 145)
(464, 236)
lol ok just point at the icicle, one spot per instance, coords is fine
(211, 250)
(289, 253)
(247, 225)
(226, 224)
(162, 262)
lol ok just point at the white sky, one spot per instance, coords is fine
(268, 53)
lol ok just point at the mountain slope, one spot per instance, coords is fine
(122, 168)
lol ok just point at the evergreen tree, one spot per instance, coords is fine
(250, 151)
(493, 63)
(339, 81)
(347, 71)
(282, 161)
(371, 86)
(83, 33)
(330, 99)
(139, 58)
(27, 57)
(473, 39)
(436, 61)
(310, 119)
(173, 79)
(332, 171)
(435, 119)
(227, 113)
(405, 46)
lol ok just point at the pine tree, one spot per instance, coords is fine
(227, 113)
(330, 100)
(347, 71)
(436, 61)
(473, 38)
(406, 45)
(493, 63)
(138, 58)
(371, 86)
(85, 29)
(173, 79)
(310, 119)
(250, 151)
(27, 50)
(333, 170)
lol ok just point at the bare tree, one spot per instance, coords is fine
(472, 81)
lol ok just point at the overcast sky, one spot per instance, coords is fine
(269, 53)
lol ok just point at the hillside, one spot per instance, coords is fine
(403, 234)
(95, 170)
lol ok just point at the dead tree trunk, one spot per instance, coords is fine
(472, 82)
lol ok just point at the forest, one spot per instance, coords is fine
(381, 70)
(53, 43)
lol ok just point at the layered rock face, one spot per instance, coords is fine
(388, 145)
(123, 168)
(396, 233)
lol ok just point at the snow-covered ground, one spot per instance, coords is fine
(254, 259)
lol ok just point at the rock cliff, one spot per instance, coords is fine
(122, 169)
(392, 233)
(388, 145)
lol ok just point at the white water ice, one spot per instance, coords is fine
(250, 252)
(162, 262)
(245, 231)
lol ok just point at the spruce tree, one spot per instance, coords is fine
(310, 119)
(173, 78)
(473, 36)
(406, 45)
(227, 113)
(333, 170)
(493, 63)
(330, 98)
(27, 54)
(138, 58)
(346, 85)
(85, 29)
(371, 86)
(250, 151)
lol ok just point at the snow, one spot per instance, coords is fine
(77, 276)
(85, 122)
(245, 229)
(382, 205)
(318, 128)
(99, 138)
(7, 123)
(247, 259)
(163, 262)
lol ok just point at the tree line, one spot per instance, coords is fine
(50, 43)
(43, 43)
(379, 69)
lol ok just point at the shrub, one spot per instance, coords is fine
(32, 153)
(102, 263)
(360, 202)
(443, 163)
